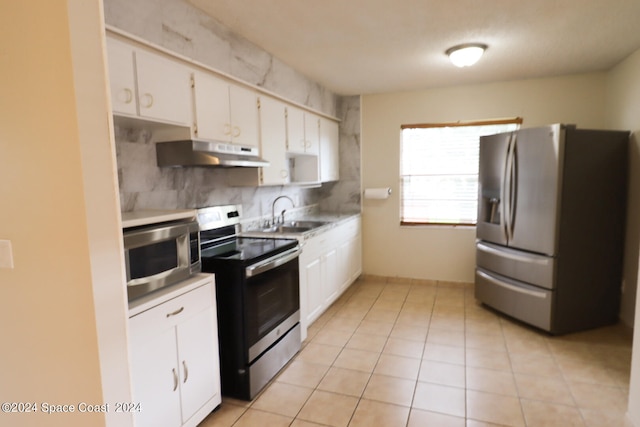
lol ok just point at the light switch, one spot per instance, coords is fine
(6, 254)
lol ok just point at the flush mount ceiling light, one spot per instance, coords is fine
(465, 55)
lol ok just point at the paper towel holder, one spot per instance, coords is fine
(377, 193)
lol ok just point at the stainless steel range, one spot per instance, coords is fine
(258, 296)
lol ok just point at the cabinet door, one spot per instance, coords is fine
(198, 361)
(164, 88)
(330, 279)
(121, 77)
(273, 140)
(213, 117)
(355, 257)
(154, 371)
(344, 264)
(295, 130)
(311, 134)
(329, 150)
(315, 296)
(244, 115)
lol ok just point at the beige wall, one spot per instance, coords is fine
(447, 253)
(54, 152)
(623, 111)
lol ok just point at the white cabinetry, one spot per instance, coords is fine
(148, 85)
(317, 268)
(329, 263)
(174, 357)
(349, 254)
(273, 139)
(329, 150)
(303, 146)
(302, 132)
(224, 111)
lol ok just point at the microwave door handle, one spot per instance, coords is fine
(147, 279)
(273, 262)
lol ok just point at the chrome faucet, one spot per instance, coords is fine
(273, 209)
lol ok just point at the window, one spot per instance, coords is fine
(439, 170)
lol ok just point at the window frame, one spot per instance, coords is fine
(488, 122)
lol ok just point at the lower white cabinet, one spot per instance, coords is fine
(174, 357)
(329, 263)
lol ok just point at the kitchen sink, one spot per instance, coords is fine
(294, 227)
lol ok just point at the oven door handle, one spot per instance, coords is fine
(273, 262)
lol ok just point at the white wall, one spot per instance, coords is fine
(623, 111)
(447, 253)
(56, 157)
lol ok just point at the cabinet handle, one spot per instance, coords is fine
(186, 371)
(227, 128)
(128, 95)
(175, 379)
(236, 131)
(178, 311)
(149, 100)
(284, 173)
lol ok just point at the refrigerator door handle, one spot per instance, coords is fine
(513, 196)
(510, 287)
(507, 188)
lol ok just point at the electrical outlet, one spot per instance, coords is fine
(6, 254)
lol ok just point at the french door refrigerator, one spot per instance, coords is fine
(550, 231)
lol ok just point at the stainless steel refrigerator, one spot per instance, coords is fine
(551, 220)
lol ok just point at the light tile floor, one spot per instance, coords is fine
(422, 353)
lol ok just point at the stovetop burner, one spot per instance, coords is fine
(220, 242)
(247, 249)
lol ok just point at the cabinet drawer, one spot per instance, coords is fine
(529, 304)
(350, 229)
(176, 310)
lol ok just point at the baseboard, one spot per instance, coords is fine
(413, 281)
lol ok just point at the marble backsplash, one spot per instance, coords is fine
(144, 185)
(178, 26)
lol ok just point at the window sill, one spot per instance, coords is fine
(435, 225)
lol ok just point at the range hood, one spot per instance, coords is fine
(192, 152)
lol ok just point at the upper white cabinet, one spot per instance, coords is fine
(148, 85)
(303, 146)
(122, 77)
(152, 86)
(224, 111)
(273, 141)
(303, 133)
(329, 150)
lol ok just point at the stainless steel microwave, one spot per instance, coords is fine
(160, 254)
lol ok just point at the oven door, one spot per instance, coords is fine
(272, 298)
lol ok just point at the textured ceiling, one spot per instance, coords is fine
(376, 46)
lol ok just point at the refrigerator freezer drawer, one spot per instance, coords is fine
(523, 302)
(530, 268)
